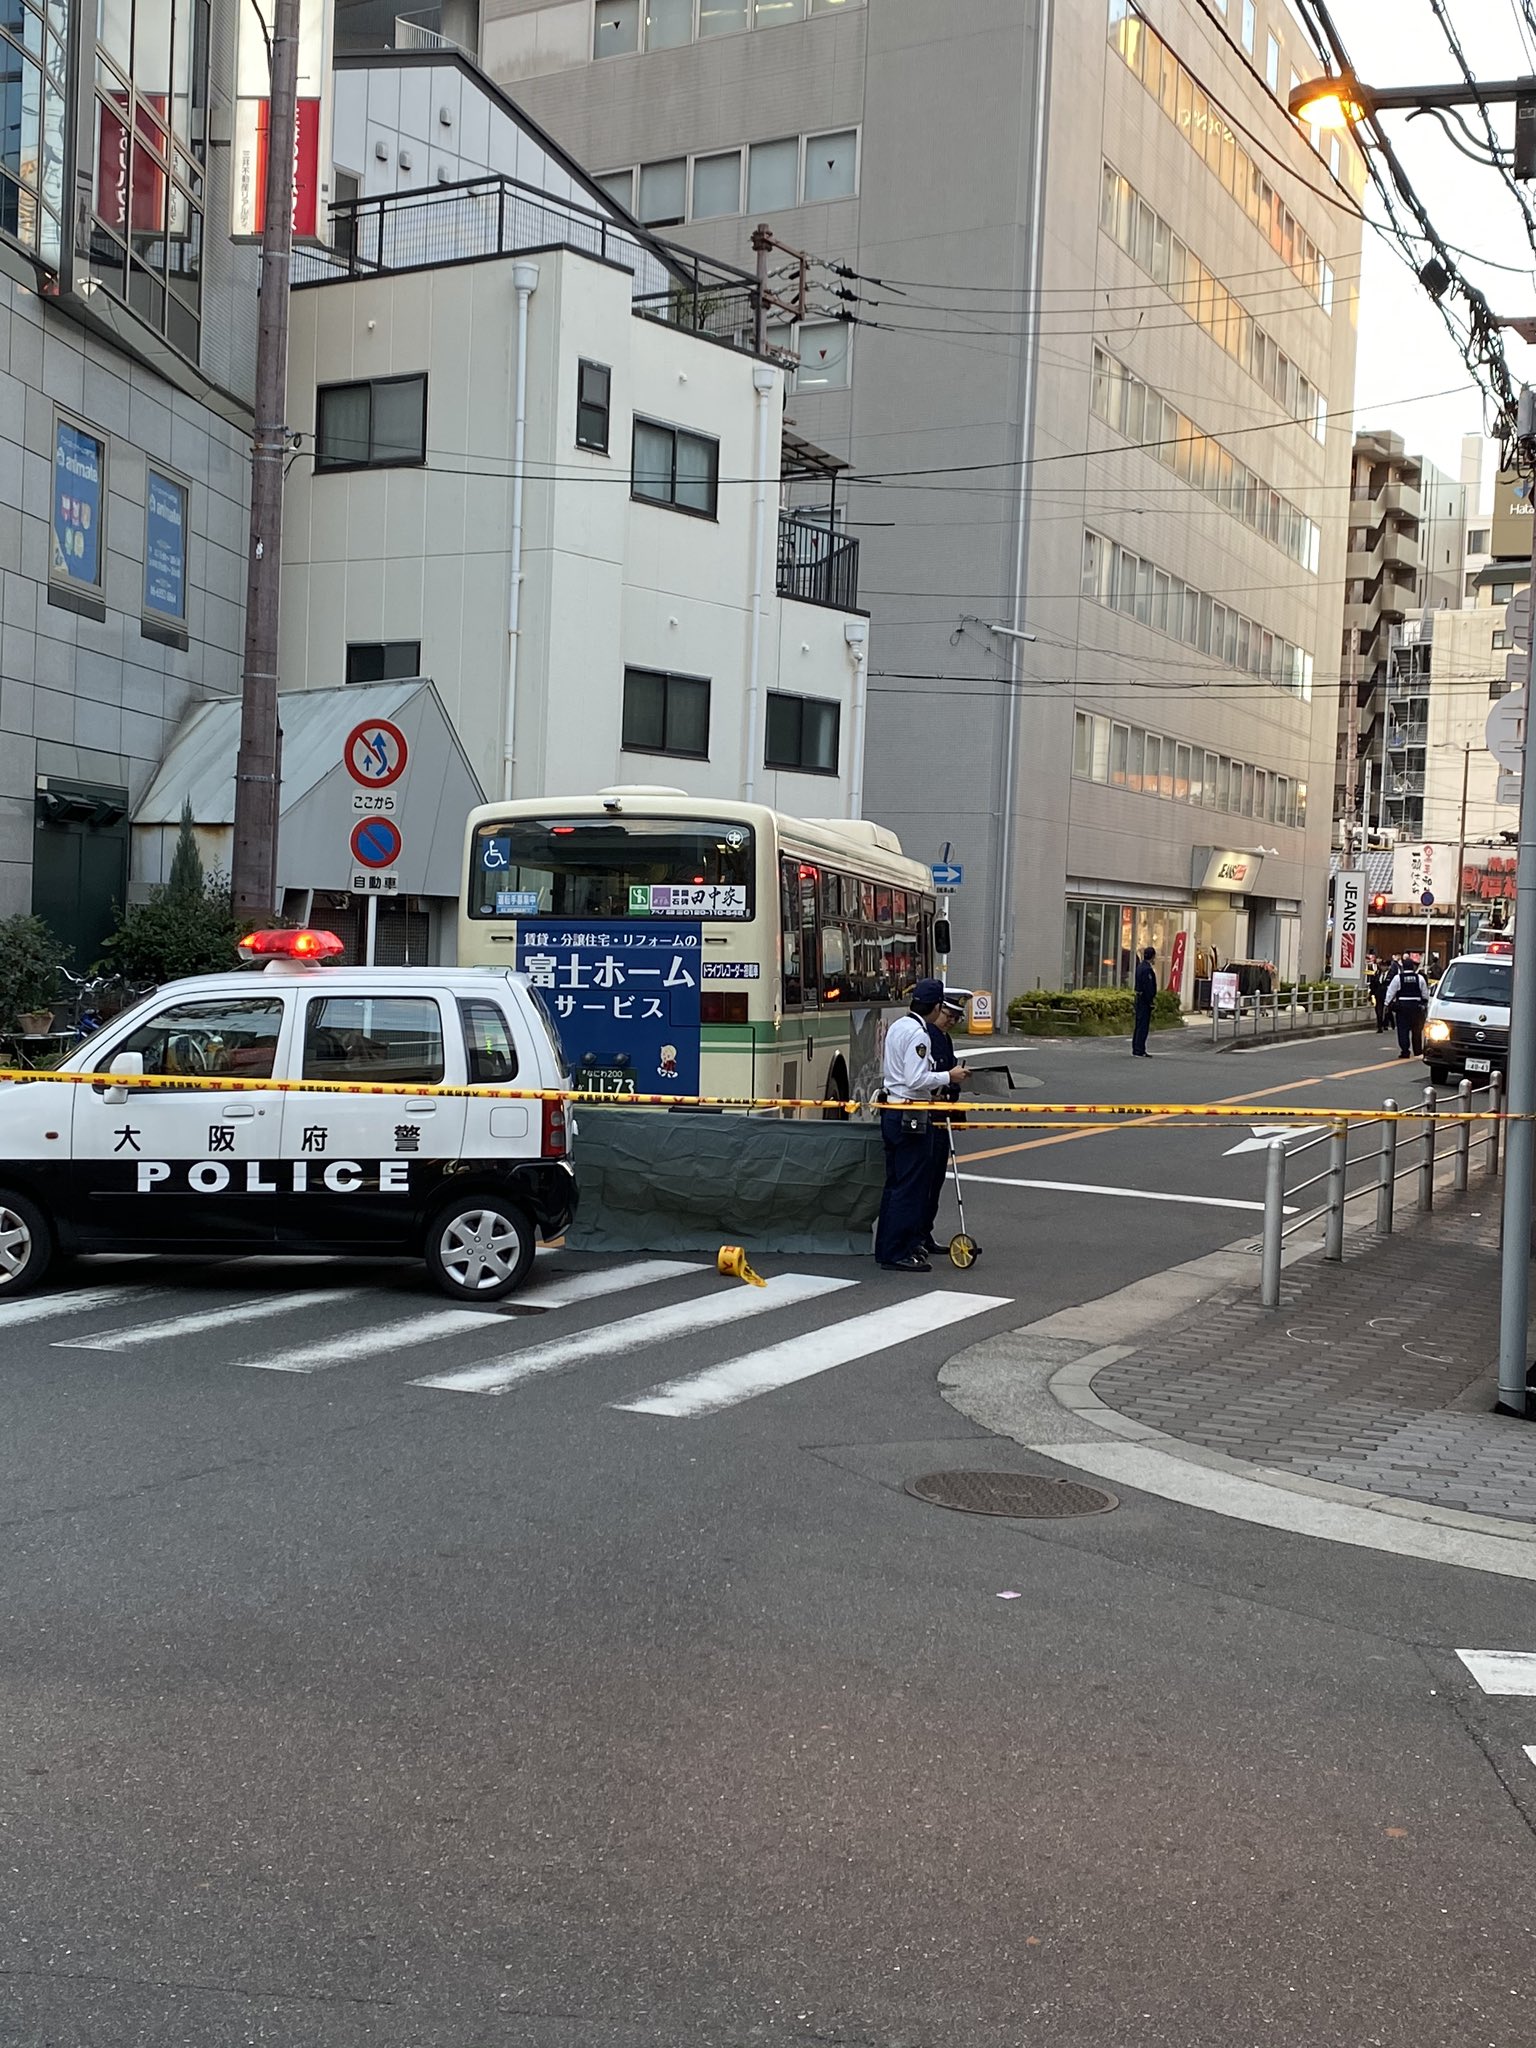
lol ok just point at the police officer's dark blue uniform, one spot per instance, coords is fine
(911, 1081)
(1146, 996)
(943, 1048)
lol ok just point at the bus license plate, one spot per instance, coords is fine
(606, 1080)
(1479, 1066)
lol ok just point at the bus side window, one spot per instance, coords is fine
(789, 925)
(810, 979)
(834, 964)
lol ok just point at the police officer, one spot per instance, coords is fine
(942, 1045)
(1407, 999)
(911, 1080)
(1146, 996)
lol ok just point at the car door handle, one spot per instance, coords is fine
(426, 1107)
(236, 1112)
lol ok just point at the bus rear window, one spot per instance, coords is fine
(612, 867)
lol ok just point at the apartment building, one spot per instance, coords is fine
(1407, 553)
(126, 362)
(1075, 299)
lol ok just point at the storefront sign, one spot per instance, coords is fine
(79, 463)
(1176, 963)
(248, 183)
(1347, 952)
(1235, 872)
(165, 548)
(624, 998)
(1224, 993)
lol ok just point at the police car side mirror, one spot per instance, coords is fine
(130, 1065)
(941, 935)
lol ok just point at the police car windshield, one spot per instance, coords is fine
(1477, 981)
(612, 867)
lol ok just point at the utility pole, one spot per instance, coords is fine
(1461, 847)
(257, 777)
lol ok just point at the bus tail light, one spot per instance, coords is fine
(722, 1006)
(553, 1142)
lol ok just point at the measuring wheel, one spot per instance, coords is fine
(963, 1251)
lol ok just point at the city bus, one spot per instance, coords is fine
(689, 946)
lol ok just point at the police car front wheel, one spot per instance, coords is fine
(480, 1248)
(26, 1244)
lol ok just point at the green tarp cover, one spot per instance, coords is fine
(659, 1181)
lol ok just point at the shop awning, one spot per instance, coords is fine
(322, 803)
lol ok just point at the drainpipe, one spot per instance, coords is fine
(764, 383)
(525, 278)
(856, 633)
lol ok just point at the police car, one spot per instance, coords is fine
(1466, 1028)
(468, 1183)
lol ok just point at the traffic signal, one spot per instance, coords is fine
(1379, 904)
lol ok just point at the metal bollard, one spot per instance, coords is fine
(1427, 1157)
(1495, 1129)
(1274, 1223)
(1338, 1167)
(1386, 1172)
(1463, 1156)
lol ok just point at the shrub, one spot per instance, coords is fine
(31, 968)
(1086, 1012)
(175, 935)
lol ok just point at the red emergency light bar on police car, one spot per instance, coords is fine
(306, 947)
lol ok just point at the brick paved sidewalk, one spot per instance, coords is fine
(1380, 1373)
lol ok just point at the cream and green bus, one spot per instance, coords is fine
(809, 934)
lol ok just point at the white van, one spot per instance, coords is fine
(1467, 1028)
(467, 1183)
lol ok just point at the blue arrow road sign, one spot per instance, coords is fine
(1428, 899)
(947, 874)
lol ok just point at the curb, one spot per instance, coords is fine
(1035, 1386)
(1307, 1032)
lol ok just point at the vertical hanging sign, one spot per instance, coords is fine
(1347, 953)
(311, 167)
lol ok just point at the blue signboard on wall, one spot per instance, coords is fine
(78, 463)
(624, 997)
(165, 548)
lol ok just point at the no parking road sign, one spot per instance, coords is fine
(375, 753)
(376, 842)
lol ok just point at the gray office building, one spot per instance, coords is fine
(1077, 305)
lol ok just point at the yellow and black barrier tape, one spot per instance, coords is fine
(975, 1115)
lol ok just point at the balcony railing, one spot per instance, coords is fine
(817, 565)
(1412, 735)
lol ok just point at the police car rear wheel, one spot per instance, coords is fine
(481, 1248)
(26, 1245)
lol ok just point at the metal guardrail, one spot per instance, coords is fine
(1382, 1157)
(1296, 1010)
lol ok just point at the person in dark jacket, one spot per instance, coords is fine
(1381, 973)
(943, 1045)
(1146, 995)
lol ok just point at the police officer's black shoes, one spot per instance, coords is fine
(939, 1251)
(912, 1265)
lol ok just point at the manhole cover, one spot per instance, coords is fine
(1022, 1494)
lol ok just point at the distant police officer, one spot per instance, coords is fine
(1406, 1001)
(1146, 996)
(911, 1080)
(951, 1010)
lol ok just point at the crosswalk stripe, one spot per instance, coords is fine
(37, 1308)
(1510, 1673)
(377, 1341)
(800, 1358)
(564, 1290)
(203, 1319)
(654, 1325)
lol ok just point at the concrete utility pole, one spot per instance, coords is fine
(254, 866)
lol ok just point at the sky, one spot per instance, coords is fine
(1404, 349)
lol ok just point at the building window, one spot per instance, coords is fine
(165, 549)
(668, 24)
(665, 714)
(1250, 25)
(722, 17)
(822, 346)
(1272, 63)
(592, 386)
(1502, 639)
(771, 13)
(382, 661)
(802, 733)
(1502, 593)
(717, 185)
(619, 185)
(830, 162)
(615, 28)
(773, 175)
(664, 192)
(1477, 540)
(674, 467)
(76, 542)
(381, 424)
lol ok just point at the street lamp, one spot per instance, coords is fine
(1339, 100)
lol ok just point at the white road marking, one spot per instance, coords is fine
(1077, 1187)
(377, 1341)
(1264, 1133)
(1530, 1750)
(203, 1319)
(655, 1325)
(800, 1358)
(37, 1308)
(563, 1290)
(1511, 1673)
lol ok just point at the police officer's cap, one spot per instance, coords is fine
(956, 999)
(927, 995)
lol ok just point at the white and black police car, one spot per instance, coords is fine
(468, 1183)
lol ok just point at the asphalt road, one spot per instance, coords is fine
(636, 1705)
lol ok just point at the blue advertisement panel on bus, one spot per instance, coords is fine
(624, 998)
